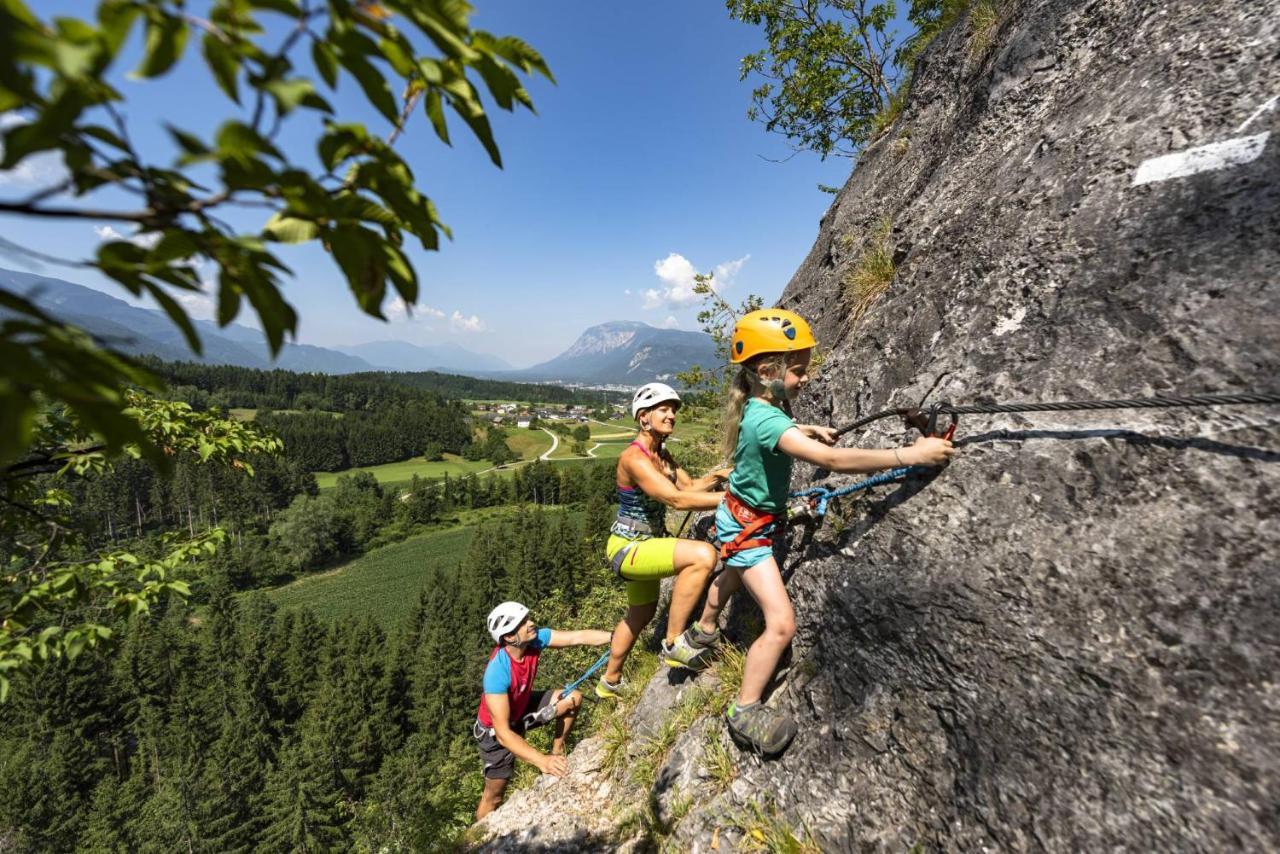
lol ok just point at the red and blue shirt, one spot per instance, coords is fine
(505, 675)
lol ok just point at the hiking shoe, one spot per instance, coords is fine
(760, 729)
(692, 649)
(607, 690)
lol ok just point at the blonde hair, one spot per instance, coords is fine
(746, 385)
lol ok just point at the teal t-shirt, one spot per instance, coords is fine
(761, 473)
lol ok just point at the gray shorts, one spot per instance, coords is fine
(500, 763)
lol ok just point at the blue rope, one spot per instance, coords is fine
(600, 662)
(825, 495)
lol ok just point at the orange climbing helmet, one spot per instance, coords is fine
(769, 330)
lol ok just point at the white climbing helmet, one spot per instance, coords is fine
(651, 394)
(504, 619)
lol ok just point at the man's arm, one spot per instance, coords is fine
(581, 637)
(500, 712)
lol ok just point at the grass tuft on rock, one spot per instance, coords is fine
(763, 829)
(985, 18)
(872, 273)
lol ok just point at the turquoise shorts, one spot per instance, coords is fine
(728, 527)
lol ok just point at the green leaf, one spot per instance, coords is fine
(479, 124)
(166, 39)
(284, 7)
(177, 314)
(287, 229)
(228, 304)
(224, 63)
(290, 93)
(236, 139)
(326, 62)
(434, 106)
(358, 252)
(372, 82)
(74, 646)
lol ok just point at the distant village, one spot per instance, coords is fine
(523, 416)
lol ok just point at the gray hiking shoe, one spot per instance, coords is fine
(692, 649)
(760, 729)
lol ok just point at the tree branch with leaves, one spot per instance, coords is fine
(358, 198)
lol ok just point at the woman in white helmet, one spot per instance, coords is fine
(649, 481)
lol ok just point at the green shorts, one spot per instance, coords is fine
(646, 563)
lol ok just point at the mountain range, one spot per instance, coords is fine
(624, 352)
(615, 353)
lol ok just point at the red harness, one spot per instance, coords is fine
(753, 521)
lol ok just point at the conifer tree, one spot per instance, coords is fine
(301, 812)
(107, 827)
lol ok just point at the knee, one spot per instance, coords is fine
(638, 616)
(575, 701)
(782, 629)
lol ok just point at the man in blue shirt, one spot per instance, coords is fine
(510, 706)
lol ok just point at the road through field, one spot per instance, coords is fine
(555, 443)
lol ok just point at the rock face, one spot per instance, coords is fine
(1068, 639)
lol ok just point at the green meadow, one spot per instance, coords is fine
(383, 584)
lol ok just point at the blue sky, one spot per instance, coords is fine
(640, 168)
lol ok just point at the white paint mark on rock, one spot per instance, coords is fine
(1012, 323)
(1269, 105)
(1204, 158)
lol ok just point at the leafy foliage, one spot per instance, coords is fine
(827, 70)
(358, 199)
(47, 579)
(835, 73)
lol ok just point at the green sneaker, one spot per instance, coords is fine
(760, 729)
(692, 649)
(607, 690)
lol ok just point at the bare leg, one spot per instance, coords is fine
(764, 582)
(725, 585)
(694, 561)
(566, 711)
(491, 798)
(624, 637)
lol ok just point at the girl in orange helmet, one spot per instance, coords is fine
(772, 348)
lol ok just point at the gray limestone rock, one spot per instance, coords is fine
(1069, 638)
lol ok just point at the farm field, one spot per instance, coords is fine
(242, 414)
(383, 584)
(529, 444)
(401, 473)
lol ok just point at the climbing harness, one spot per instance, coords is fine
(754, 523)
(914, 416)
(600, 662)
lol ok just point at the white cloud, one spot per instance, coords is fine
(678, 274)
(35, 170)
(398, 309)
(145, 239)
(670, 322)
(458, 323)
(201, 305)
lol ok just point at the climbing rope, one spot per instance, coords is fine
(819, 496)
(600, 662)
(1069, 406)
